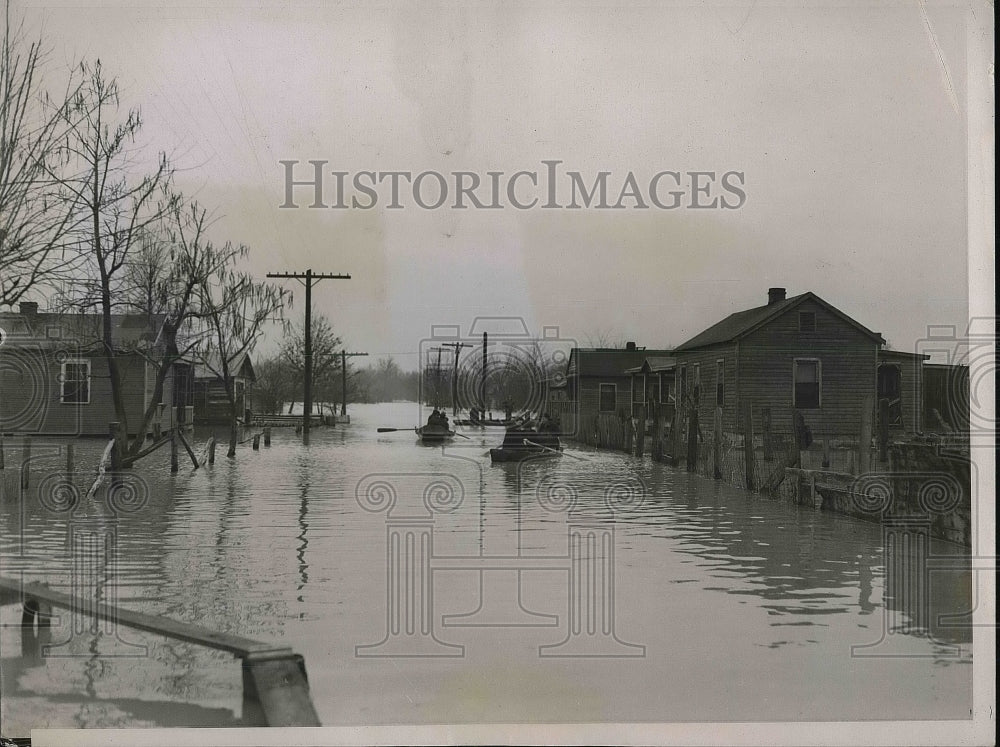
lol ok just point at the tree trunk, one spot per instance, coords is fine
(233, 420)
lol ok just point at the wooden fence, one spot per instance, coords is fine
(751, 460)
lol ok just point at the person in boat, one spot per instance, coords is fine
(548, 433)
(434, 420)
(515, 434)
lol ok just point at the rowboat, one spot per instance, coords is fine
(430, 434)
(520, 453)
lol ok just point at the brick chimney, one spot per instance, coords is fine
(775, 295)
(28, 308)
(630, 345)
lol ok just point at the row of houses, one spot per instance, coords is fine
(792, 355)
(55, 380)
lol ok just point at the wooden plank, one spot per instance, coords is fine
(692, 441)
(11, 590)
(279, 687)
(865, 437)
(717, 445)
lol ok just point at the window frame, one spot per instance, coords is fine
(600, 396)
(819, 383)
(63, 381)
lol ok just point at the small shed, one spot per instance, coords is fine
(211, 403)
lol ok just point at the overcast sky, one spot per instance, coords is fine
(848, 124)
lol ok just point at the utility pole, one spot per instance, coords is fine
(308, 278)
(454, 374)
(482, 379)
(437, 376)
(343, 378)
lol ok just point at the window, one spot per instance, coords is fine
(53, 332)
(74, 379)
(807, 378)
(696, 383)
(608, 398)
(684, 382)
(720, 383)
(665, 396)
(807, 321)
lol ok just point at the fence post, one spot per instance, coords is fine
(657, 446)
(211, 450)
(678, 434)
(747, 412)
(267, 435)
(173, 449)
(883, 430)
(256, 442)
(640, 429)
(692, 444)
(765, 417)
(717, 445)
(26, 464)
(865, 438)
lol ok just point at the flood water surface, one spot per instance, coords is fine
(425, 585)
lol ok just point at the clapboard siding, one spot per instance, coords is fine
(589, 395)
(33, 404)
(847, 356)
(707, 358)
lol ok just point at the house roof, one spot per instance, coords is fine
(607, 361)
(655, 364)
(742, 323)
(902, 355)
(207, 367)
(128, 330)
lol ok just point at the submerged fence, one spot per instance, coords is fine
(749, 460)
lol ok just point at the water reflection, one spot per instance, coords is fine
(711, 581)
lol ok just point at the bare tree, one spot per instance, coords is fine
(235, 308)
(36, 211)
(326, 361)
(120, 203)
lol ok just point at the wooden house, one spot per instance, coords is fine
(598, 382)
(790, 354)
(54, 377)
(211, 403)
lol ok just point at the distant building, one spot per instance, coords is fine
(653, 381)
(598, 382)
(211, 403)
(796, 354)
(54, 377)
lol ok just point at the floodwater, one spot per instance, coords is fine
(582, 588)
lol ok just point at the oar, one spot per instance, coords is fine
(554, 451)
(393, 430)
